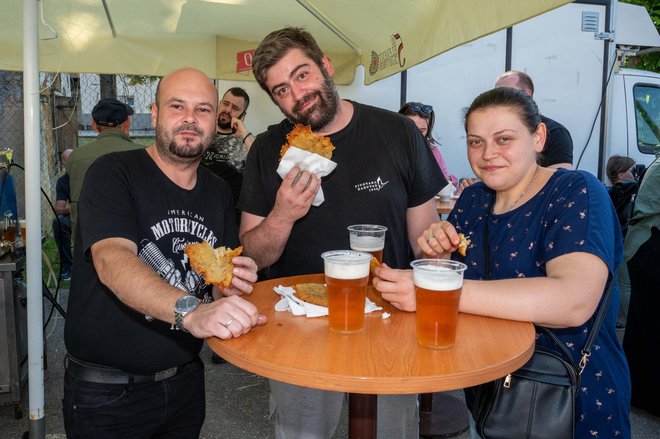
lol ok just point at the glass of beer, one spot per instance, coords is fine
(438, 285)
(346, 275)
(369, 238)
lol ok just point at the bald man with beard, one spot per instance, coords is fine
(137, 312)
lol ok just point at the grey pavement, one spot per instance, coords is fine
(237, 401)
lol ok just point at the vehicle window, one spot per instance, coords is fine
(647, 115)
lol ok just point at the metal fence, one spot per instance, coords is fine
(66, 102)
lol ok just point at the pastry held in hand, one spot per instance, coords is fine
(213, 264)
(463, 245)
(307, 161)
(302, 137)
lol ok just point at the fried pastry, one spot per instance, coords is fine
(316, 294)
(373, 265)
(463, 245)
(213, 264)
(301, 136)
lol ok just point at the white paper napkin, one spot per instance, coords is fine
(307, 161)
(290, 302)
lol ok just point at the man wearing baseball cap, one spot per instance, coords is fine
(111, 119)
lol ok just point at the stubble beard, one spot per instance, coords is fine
(184, 152)
(224, 125)
(322, 112)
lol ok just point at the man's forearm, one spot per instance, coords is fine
(265, 242)
(132, 281)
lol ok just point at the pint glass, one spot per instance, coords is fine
(438, 284)
(369, 238)
(346, 275)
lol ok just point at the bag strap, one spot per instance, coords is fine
(598, 320)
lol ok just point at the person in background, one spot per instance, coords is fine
(544, 228)
(62, 222)
(137, 312)
(385, 175)
(424, 118)
(642, 252)
(558, 149)
(111, 119)
(227, 154)
(619, 170)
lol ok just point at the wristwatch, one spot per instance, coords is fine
(183, 306)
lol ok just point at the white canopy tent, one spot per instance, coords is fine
(153, 37)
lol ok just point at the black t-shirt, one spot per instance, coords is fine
(126, 195)
(558, 144)
(62, 192)
(226, 159)
(384, 167)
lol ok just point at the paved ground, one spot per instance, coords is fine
(237, 402)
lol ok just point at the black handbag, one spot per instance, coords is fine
(538, 400)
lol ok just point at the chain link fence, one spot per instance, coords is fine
(66, 102)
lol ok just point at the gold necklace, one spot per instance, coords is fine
(531, 183)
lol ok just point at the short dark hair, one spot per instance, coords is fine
(617, 164)
(240, 93)
(407, 110)
(524, 80)
(276, 44)
(508, 97)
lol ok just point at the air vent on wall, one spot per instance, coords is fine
(590, 20)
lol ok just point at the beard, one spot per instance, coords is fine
(184, 151)
(322, 112)
(224, 125)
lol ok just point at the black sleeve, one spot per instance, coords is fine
(106, 208)
(558, 147)
(62, 188)
(260, 178)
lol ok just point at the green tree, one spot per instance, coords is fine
(649, 61)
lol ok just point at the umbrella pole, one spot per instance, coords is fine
(31, 128)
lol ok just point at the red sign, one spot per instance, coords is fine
(244, 60)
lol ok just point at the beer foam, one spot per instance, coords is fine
(367, 243)
(346, 271)
(439, 279)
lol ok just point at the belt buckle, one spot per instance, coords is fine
(164, 374)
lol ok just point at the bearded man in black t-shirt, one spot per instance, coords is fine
(137, 312)
(385, 175)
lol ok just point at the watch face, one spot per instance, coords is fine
(187, 304)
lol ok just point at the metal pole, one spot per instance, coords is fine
(403, 88)
(31, 126)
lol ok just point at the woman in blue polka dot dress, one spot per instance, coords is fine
(554, 245)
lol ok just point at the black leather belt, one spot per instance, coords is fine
(95, 373)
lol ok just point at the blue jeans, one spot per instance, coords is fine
(174, 407)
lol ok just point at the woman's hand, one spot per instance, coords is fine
(396, 286)
(439, 240)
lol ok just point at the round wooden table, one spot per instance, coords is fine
(444, 207)
(382, 359)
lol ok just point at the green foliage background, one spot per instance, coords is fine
(650, 61)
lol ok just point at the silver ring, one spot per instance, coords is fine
(229, 322)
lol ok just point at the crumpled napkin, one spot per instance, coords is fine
(289, 302)
(306, 161)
